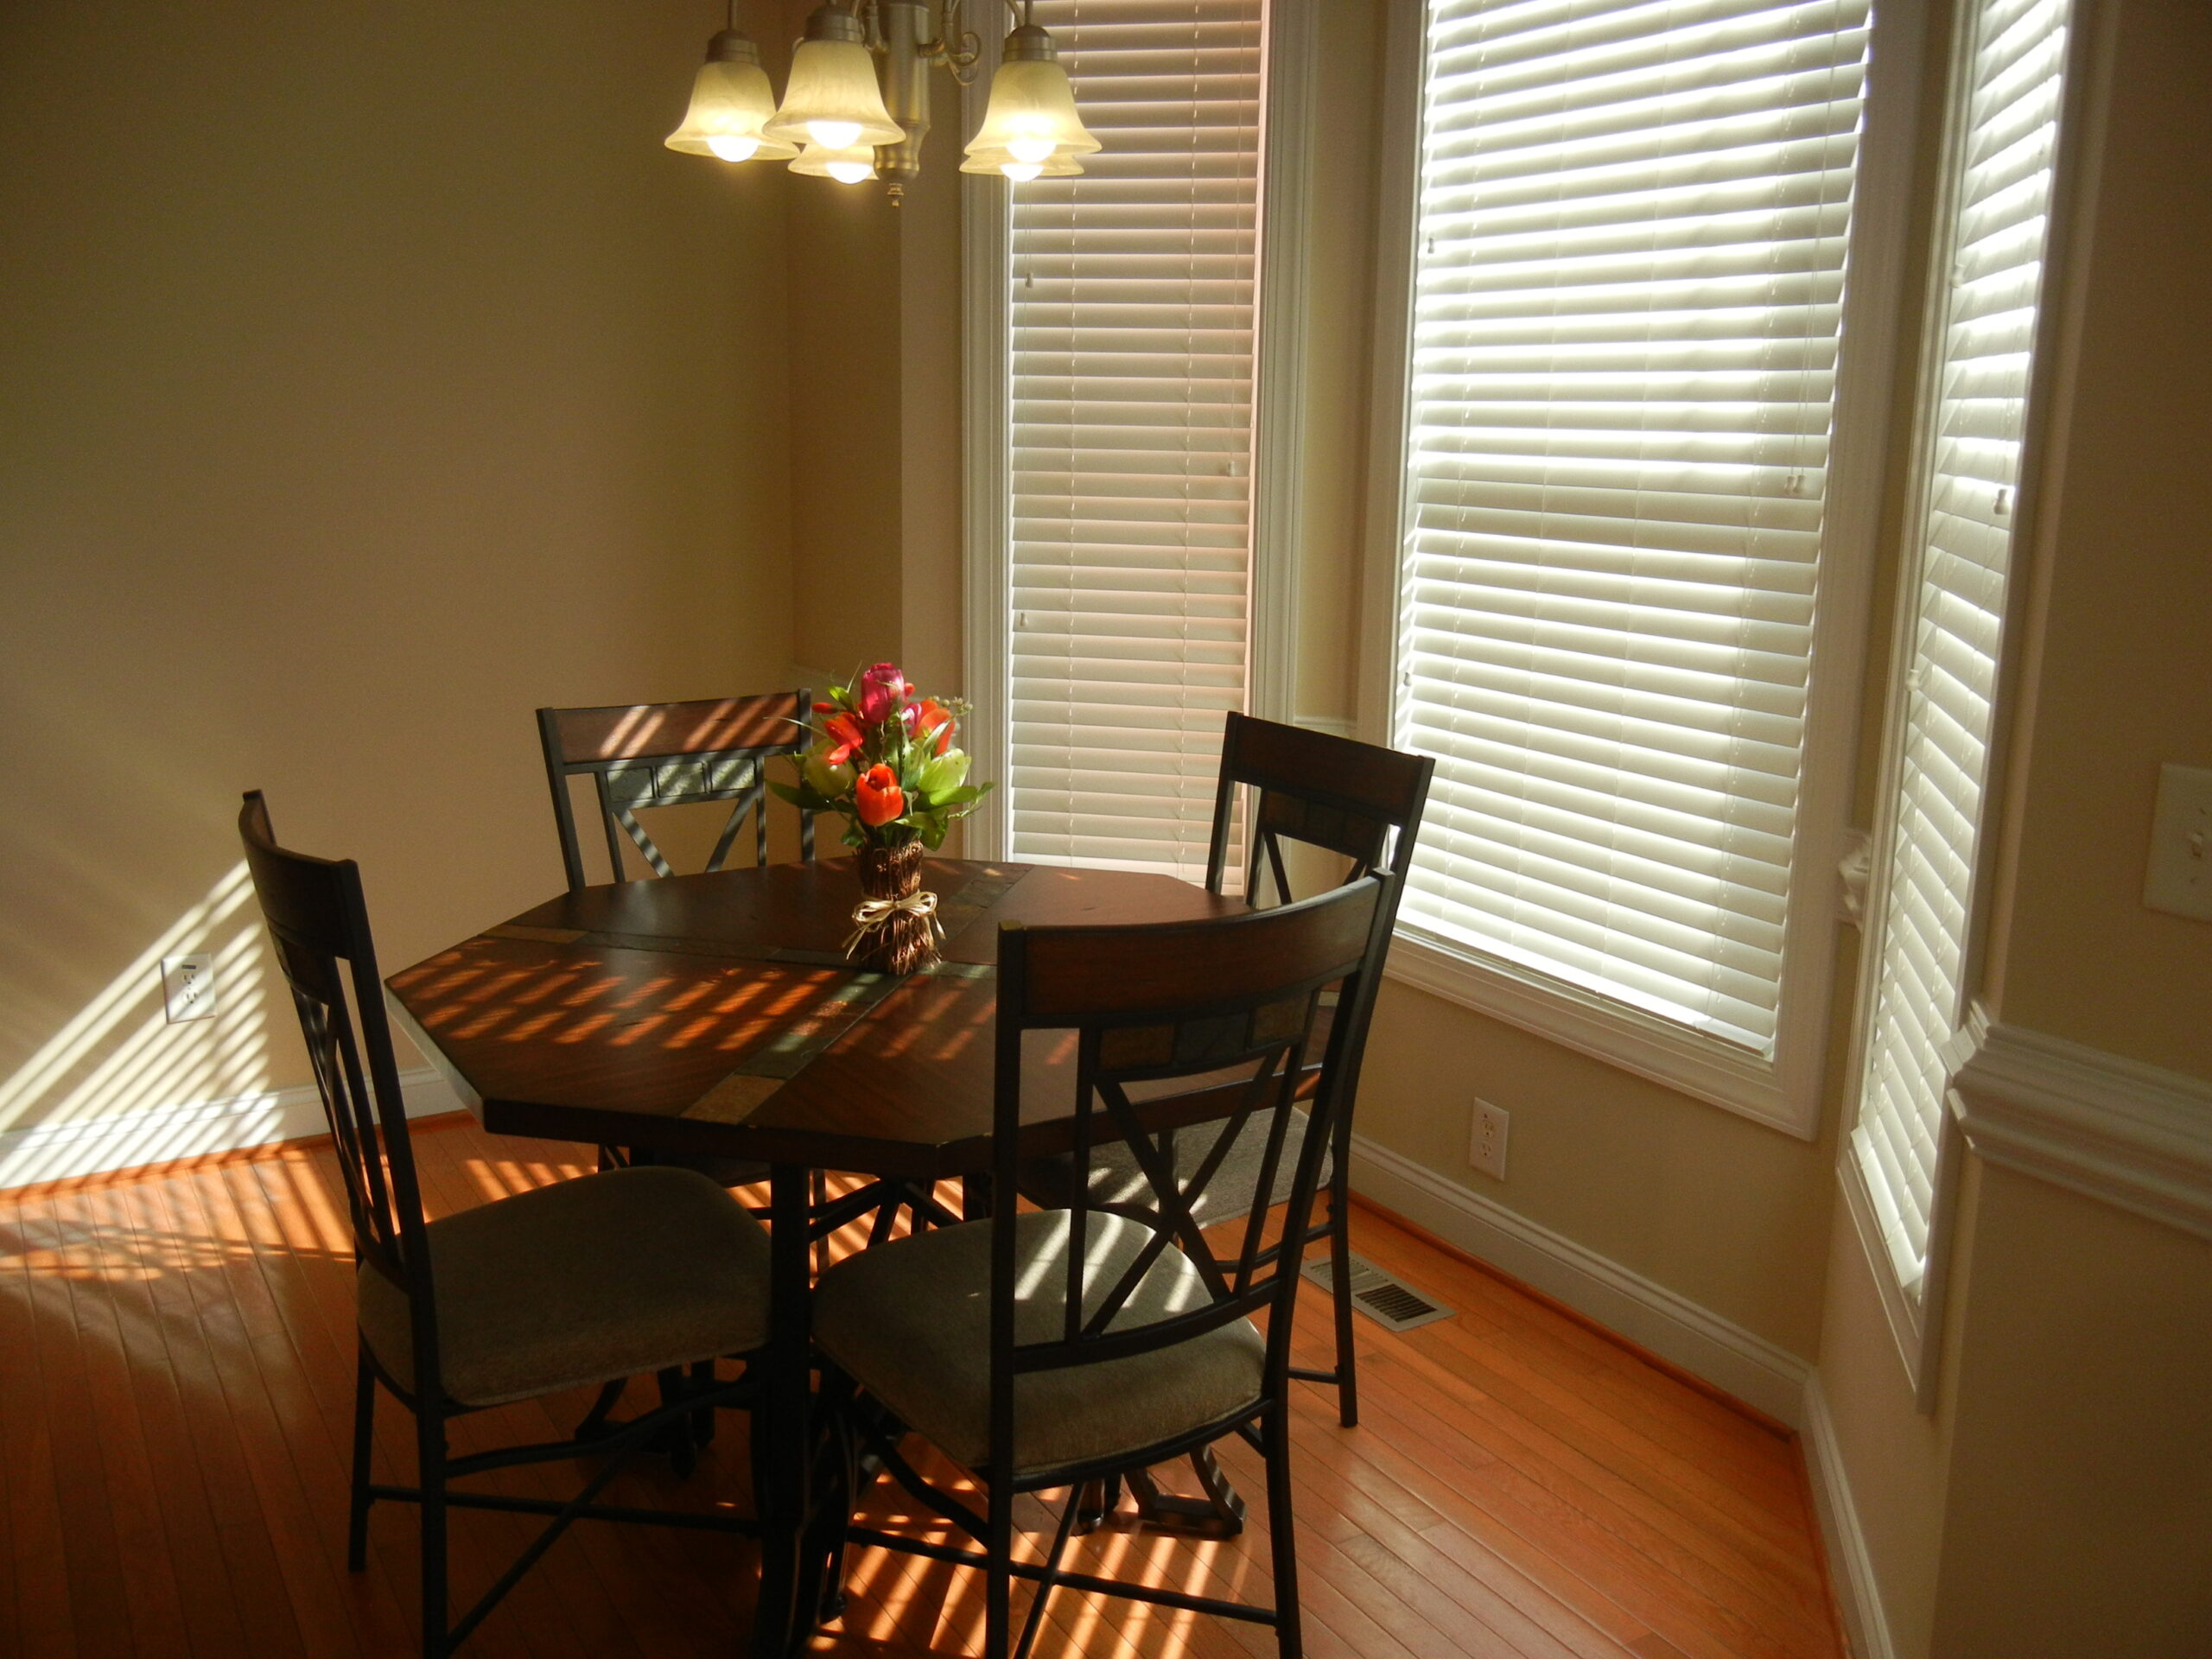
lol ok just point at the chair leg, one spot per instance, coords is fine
(998, 1574)
(817, 1195)
(365, 1421)
(677, 1440)
(1340, 1283)
(430, 1456)
(1275, 1433)
(703, 1421)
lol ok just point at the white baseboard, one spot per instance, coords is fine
(1849, 1565)
(55, 1152)
(1762, 1376)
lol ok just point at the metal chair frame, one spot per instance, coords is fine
(1220, 988)
(319, 923)
(671, 754)
(1364, 803)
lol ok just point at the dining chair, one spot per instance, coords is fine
(1062, 1348)
(647, 754)
(709, 749)
(1354, 801)
(581, 1284)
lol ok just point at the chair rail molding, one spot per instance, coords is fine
(161, 1135)
(2136, 1136)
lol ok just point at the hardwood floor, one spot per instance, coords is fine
(175, 1382)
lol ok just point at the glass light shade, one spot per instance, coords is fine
(853, 164)
(731, 101)
(1031, 123)
(832, 98)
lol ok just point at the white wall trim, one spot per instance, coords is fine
(1851, 1566)
(2133, 1135)
(986, 439)
(1756, 1371)
(1278, 512)
(97, 1146)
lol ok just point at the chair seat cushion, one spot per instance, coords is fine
(1117, 1178)
(910, 1321)
(608, 1276)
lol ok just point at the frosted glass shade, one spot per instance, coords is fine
(851, 164)
(832, 100)
(1031, 124)
(731, 101)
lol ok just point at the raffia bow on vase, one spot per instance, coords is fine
(896, 933)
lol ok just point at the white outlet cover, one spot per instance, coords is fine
(1488, 1155)
(2179, 879)
(188, 987)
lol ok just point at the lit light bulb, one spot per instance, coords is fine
(732, 148)
(850, 172)
(834, 134)
(1029, 149)
(1021, 172)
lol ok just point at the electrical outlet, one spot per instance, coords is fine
(188, 987)
(2179, 879)
(1486, 1142)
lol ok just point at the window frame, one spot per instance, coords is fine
(1784, 1089)
(1916, 1316)
(1289, 34)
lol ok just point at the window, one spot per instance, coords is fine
(1990, 262)
(1629, 268)
(1130, 321)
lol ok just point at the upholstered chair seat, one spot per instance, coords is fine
(910, 1321)
(620, 1274)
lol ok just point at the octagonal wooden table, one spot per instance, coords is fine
(716, 1014)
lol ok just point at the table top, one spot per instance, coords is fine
(716, 1014)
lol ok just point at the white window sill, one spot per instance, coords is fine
(1707, 1068)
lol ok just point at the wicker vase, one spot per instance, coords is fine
(903, 940)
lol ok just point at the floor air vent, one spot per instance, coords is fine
(1386, 1300)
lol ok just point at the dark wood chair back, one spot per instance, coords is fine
(1356, 800)
(1228, 1006)
(670, 754)
(320, 926)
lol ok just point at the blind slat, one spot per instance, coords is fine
(1632, 223)
(1133, 289)
(1996, 243)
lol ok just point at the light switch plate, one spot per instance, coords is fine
(188, 987)
(2179, 879)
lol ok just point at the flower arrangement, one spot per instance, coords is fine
(882, 758)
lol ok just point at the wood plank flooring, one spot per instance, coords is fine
(175, 1386)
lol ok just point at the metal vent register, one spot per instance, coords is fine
(1389, 1302)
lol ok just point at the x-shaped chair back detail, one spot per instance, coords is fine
(671, 754)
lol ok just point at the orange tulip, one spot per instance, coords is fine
(877, 796)
(843, 734)
(933, 716)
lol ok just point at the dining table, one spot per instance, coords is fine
(717, 1016)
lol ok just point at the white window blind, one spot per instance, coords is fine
(1132, 344)
(1995, 256)
(1629, 265)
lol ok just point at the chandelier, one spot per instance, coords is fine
(857, 104)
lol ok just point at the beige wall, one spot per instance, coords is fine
(368, 376)
(2079, 1518)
